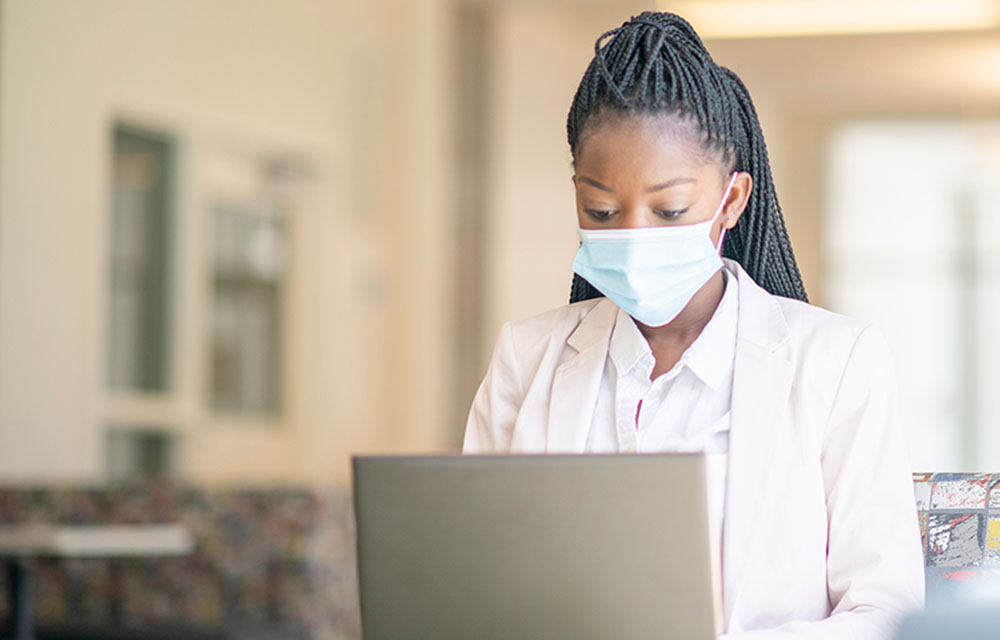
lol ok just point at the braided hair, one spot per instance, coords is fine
(656, 64)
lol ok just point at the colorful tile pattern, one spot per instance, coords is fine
(959, 491)
(994, 499)
(992, 545)
(953, 539)
(959, 515)
(922, 494)
(922, 521)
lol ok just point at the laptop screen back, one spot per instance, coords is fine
(497, 547)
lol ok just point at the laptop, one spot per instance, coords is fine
(535, 547)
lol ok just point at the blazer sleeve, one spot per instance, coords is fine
(497, 402)
(875, 569)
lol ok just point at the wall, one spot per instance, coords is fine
(368, 334)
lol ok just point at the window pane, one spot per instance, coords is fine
(135, 453)
(910, 237)
(138, 328)
(248, 277)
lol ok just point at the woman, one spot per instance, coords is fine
(666, 346)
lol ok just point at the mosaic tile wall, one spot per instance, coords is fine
(960, 529)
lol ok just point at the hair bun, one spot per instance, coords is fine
(676, 28)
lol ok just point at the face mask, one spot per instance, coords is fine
(651, 273)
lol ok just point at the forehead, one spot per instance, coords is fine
(642, 146)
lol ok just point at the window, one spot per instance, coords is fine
(141, 217)
(248, 267)
(199, 299)
(911, 229)
(137, 453)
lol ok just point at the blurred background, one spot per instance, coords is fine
(240, 241)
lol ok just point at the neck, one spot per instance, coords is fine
(687, 326)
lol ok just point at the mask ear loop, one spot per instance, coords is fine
(722, 205)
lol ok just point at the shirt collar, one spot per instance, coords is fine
(710, 356)
(628, 347)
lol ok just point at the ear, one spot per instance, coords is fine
(736, 201)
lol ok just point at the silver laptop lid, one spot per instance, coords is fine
(534, 547)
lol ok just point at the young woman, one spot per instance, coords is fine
(668, 346)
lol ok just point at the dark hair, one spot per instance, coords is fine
(655, 63)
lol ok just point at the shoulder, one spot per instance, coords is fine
(835, 360)
(531, 349)
(839, 360)
(559, 324)
(820, 342)
(771, 320)
(824, 329)
(543, 342)
(810, 324)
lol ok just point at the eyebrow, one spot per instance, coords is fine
(656, 187)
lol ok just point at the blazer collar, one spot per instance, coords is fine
(761, 320)
(595, 327)
(762, 381)
(576, 383)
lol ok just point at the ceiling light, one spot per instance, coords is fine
(782, 18)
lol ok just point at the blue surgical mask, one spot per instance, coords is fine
(651, 273)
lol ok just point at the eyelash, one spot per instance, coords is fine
(670, 215)
(602, 214)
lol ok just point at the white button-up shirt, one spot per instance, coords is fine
(685, 409)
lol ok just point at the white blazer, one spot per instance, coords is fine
(820, 534)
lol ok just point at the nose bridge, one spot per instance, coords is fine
(636, 214)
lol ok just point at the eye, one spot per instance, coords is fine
(599, 214)
(670, 215)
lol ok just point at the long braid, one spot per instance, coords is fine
(656, 63)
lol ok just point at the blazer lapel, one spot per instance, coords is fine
(762, 379)
(577, 381)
